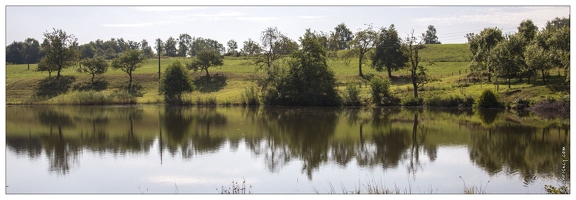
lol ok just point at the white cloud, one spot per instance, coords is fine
(128, 25)
(310, 17)
(165, 8)
(499, 16)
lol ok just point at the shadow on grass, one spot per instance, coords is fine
(214, 83)
(97, 85)
(52, 86)
(136, 90)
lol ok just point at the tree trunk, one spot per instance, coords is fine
(28, 66)
(360, 66)
(414, 84)
(489, 73)
(543, 77)
(508, 82)
(207, 74)
(92, 78)
(389, 73)
(130, 81)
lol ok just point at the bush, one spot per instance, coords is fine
(488, 100)
(174, 82)
(380, 90)
(411, 101)
(452, 101)
(351, 95)
(521, 104)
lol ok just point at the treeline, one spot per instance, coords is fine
(305, 78)
(524, 54)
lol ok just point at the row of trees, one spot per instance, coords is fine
(523, 54)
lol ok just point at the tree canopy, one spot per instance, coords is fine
(175, 81)
(128, 62)
(61, 51)
(206, 59)
(388, 51)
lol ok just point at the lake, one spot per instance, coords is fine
(281, 150)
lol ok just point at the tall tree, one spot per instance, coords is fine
(309, 81)
(411, 48)
(504, 57)
(94, 66)
(344, 35)
(61, 50)
(14, 52)
(31, 51)
(206, 59)
(146, 49)
(388, 51)
(184, 41)
(232, 46)
(480, 46)
(87, 51)
(128, 62)
(361, 45)
(270, 52)
(250, 47)
(430, 36)
(170, 47)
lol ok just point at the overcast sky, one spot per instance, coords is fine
(223, 23)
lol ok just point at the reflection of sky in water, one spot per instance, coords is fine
(206, 173)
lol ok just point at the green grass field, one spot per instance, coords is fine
(450, 65)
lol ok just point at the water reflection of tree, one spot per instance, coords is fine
(519, 149)
(28, 146)
(191, 131)
(296, 133)
(61, 152)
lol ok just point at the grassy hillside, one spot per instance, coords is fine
(450, 69)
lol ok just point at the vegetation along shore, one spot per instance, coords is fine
(374, 66)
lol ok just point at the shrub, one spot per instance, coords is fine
(521, 104)
(410, 100)
(380, 90)
(452, 101)
(174, 82)
(351, 95)
(488, 100)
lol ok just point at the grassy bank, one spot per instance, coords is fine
(450, 70)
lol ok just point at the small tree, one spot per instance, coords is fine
(205, 59)
(94, 66)
(174, 82)
(380, 90)
(411, 50)
(361, 45)
(430, 36)
(61, 50)
(128, 62)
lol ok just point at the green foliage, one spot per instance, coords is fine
(61, 51)
(351, 96)
(206, 59)
(488, 100)
(250, 96)
(381, 94)
(94, 66)
(430, 36)
(388, 53)
(308, 82)
(451, 101)
(128, 62)
(411, 101)
(174, 82)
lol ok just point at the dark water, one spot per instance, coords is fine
(157, 149)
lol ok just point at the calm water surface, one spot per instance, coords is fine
(158, 149)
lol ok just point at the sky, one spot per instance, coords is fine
(240, 22)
